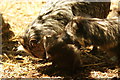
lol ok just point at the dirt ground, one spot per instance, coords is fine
(18, 64)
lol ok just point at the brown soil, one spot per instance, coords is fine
(18, 64)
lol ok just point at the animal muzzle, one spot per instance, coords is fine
(37, 49)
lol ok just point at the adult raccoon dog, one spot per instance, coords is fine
(104, 33)
(52, 20)
(46, 35)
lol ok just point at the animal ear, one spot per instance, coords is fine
(74, 23)
(81, 22)
(71, 28)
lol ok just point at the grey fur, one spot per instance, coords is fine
(104, 33)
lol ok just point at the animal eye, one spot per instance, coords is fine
(33, 43)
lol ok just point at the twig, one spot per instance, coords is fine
(92, 56)
(6, 56)
(93, 64)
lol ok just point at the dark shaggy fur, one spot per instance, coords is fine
(104, 33)
(53, 18)
(47, 32)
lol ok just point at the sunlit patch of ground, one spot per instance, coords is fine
(108, 74)
(26, 67)
(19, 14)
(20, 67)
